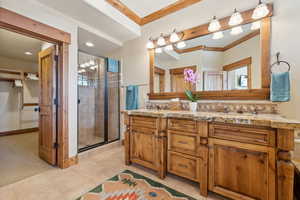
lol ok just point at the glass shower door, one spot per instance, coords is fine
(91, 95)
(98, 102)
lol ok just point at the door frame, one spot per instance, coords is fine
(14, 22)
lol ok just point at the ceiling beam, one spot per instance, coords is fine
(178, 5)
(125, 10)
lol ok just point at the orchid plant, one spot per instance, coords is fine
(191, 77)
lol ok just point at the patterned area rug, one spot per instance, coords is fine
(131, 186)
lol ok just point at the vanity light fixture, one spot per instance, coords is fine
(214, 25)
(236, 18)
(158, 50)
(260, 11)
(150, 44)
(236, 30)
(28, 53)
(218, 35)
(174, 37)
(169, 47)
(89, 44)
(161, 40)
(255, 25)
(181, 45)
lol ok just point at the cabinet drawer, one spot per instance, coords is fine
(149, 131)
(184, 165)
(261, 136)
(183, 143)
(147, 122)
(182, 125)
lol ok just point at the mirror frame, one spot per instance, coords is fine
(250, 94)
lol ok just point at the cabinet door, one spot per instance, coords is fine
(241, 171)
(143, 147)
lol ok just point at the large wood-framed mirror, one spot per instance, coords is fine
(236, 66)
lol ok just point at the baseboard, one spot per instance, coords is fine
(20, 131)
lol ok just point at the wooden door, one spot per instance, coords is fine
(241, 171)
(212, 81)
(143, 147)
(47, 116)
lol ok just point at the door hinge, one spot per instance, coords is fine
(55, 145)
(55, 102)
(56, 58)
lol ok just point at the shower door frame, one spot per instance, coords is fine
(83, 149)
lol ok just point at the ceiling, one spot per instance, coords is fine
(14, 45)
(98, 15)
(101, 48)
(145, 7)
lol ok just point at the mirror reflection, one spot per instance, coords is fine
(221, 61)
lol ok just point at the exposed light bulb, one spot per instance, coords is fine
(236, 30)
(255, 25)
(82, 65)
(161, 40)
(214, 25)
(260, 11)
(169, 47)
(174, 37)
(236, 18)
(150, 44)
(218, 35)
(158, 50)
(181, 45)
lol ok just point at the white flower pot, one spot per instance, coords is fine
(193, 106)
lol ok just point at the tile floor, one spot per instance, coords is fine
(19, 158)
(94, 167)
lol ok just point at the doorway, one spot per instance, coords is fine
(98, 102)
(28, 72)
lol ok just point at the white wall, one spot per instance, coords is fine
(37, 11)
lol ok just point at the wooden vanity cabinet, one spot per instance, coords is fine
(145, 142)
(240, 162)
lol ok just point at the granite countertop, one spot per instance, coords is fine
(270, 120)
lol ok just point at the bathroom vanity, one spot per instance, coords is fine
(239, 156)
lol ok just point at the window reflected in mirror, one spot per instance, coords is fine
(225, 63)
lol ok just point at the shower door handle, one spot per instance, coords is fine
(78, 101)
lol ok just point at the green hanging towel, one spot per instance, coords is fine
(280, 87)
